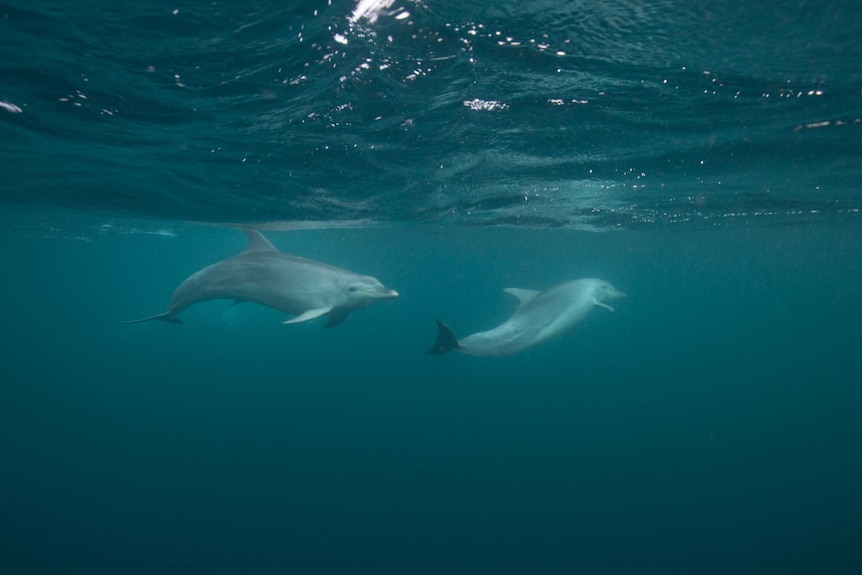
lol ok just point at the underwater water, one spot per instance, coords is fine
(704, 158)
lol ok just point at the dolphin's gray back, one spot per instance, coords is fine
(268, 277)
(570, 302)
(261, 274)
(549, 314)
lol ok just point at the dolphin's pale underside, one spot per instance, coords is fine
(264, 275)
(540, 317)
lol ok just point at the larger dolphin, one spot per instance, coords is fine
(540, 317)
(261, 274)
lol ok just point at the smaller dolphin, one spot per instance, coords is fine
(264, 275)
(540, 317)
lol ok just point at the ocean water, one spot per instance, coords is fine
(704, 157)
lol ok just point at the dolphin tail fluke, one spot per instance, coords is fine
(167, 316)
(446, 340)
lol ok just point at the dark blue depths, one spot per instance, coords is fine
(708, 425)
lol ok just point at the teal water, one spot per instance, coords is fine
(704, 159)
(709, 425)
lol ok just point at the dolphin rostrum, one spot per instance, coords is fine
(540, 317)
(262, 274)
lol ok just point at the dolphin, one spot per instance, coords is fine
(540, 317)
(262, 274)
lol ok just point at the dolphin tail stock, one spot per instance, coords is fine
(446, 340)
(167, 316)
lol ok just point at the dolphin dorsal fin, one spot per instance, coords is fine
(523, 295)
(256, 242)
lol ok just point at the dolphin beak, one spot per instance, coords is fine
(389, 294)
(614, 293)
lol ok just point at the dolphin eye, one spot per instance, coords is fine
(352, 288)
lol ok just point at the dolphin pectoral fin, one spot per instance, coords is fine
(309, 315)
(336, 318)
(446, 340)
(523, 295)
(604, 305)
(228, 313)
(167, 316)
